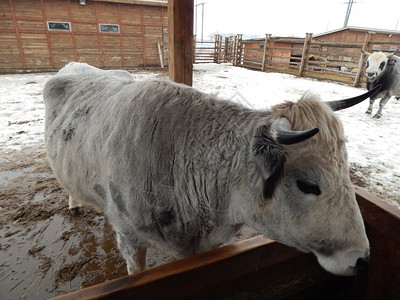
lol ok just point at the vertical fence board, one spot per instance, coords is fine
(304, 56)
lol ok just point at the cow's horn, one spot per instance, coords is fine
(391, 54)
(346, 103)
(286, 136)
(365, 52)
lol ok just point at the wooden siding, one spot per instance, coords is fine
(27, 43)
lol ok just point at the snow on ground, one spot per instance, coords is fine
(373, 144)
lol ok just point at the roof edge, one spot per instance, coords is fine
(355, 28)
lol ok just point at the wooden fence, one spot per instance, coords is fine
(308, 57)
(226, 49)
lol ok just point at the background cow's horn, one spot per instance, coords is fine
(286, 136)
(391, 54)
(365, 52)
(346, 103)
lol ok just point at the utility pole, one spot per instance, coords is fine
(202, 18)
(348, 12)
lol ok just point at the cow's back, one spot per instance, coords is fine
(78, 104)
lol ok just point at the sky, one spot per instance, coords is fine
(293, 18)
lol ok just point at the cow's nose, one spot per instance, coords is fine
(362, 264)
(371, 74)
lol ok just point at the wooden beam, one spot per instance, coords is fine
(267, 38)
(180, 36)
(360, 70)
(304, 56)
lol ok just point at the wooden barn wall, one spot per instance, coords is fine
(26, 42)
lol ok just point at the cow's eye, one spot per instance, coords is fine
(382, 65)
(308, 187)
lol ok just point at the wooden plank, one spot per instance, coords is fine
(304, 56)
(160, 55)
(341, 45)
(383, 222)
(138, 2)
(379, 214)
(21, 52)
(180, 35)
(367, 39)
(193, 275)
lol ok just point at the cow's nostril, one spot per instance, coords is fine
(370, 74)
(362, 264)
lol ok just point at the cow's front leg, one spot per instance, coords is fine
(382, 103)
(135, 256)
(75, 207)
(371, 104)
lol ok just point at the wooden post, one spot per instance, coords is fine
(238, 54)
(267, 38)
(194, 48)
(234, 50)
(368, 37)
(180, 36)
(160, 55)
(226, 47)
(216, 37)
(219, 49)
(304, 56)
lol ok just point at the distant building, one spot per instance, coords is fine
(47, 34)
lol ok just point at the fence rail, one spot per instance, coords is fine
(308, 57)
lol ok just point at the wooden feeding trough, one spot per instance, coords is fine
(259, 268)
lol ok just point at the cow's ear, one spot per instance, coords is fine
(270, 157)
(391, 61)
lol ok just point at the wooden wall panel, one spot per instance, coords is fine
(130, 14)
(56, 10)
(29, 44)
(133, 51)
(6, 24)
(152, 15)
(85, 27)
(153, 32)
(22, 10)
(5, 10)
(31, 25)
(152, 36)
(88, 49)
(9, 51)
(131, 29)
(111, 50)
(86, 13)
(107, 13)
(61, 42)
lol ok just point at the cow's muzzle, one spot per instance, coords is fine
(362, 265)
(371, 75)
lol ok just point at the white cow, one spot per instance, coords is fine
(183, 171)
(382, 69)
